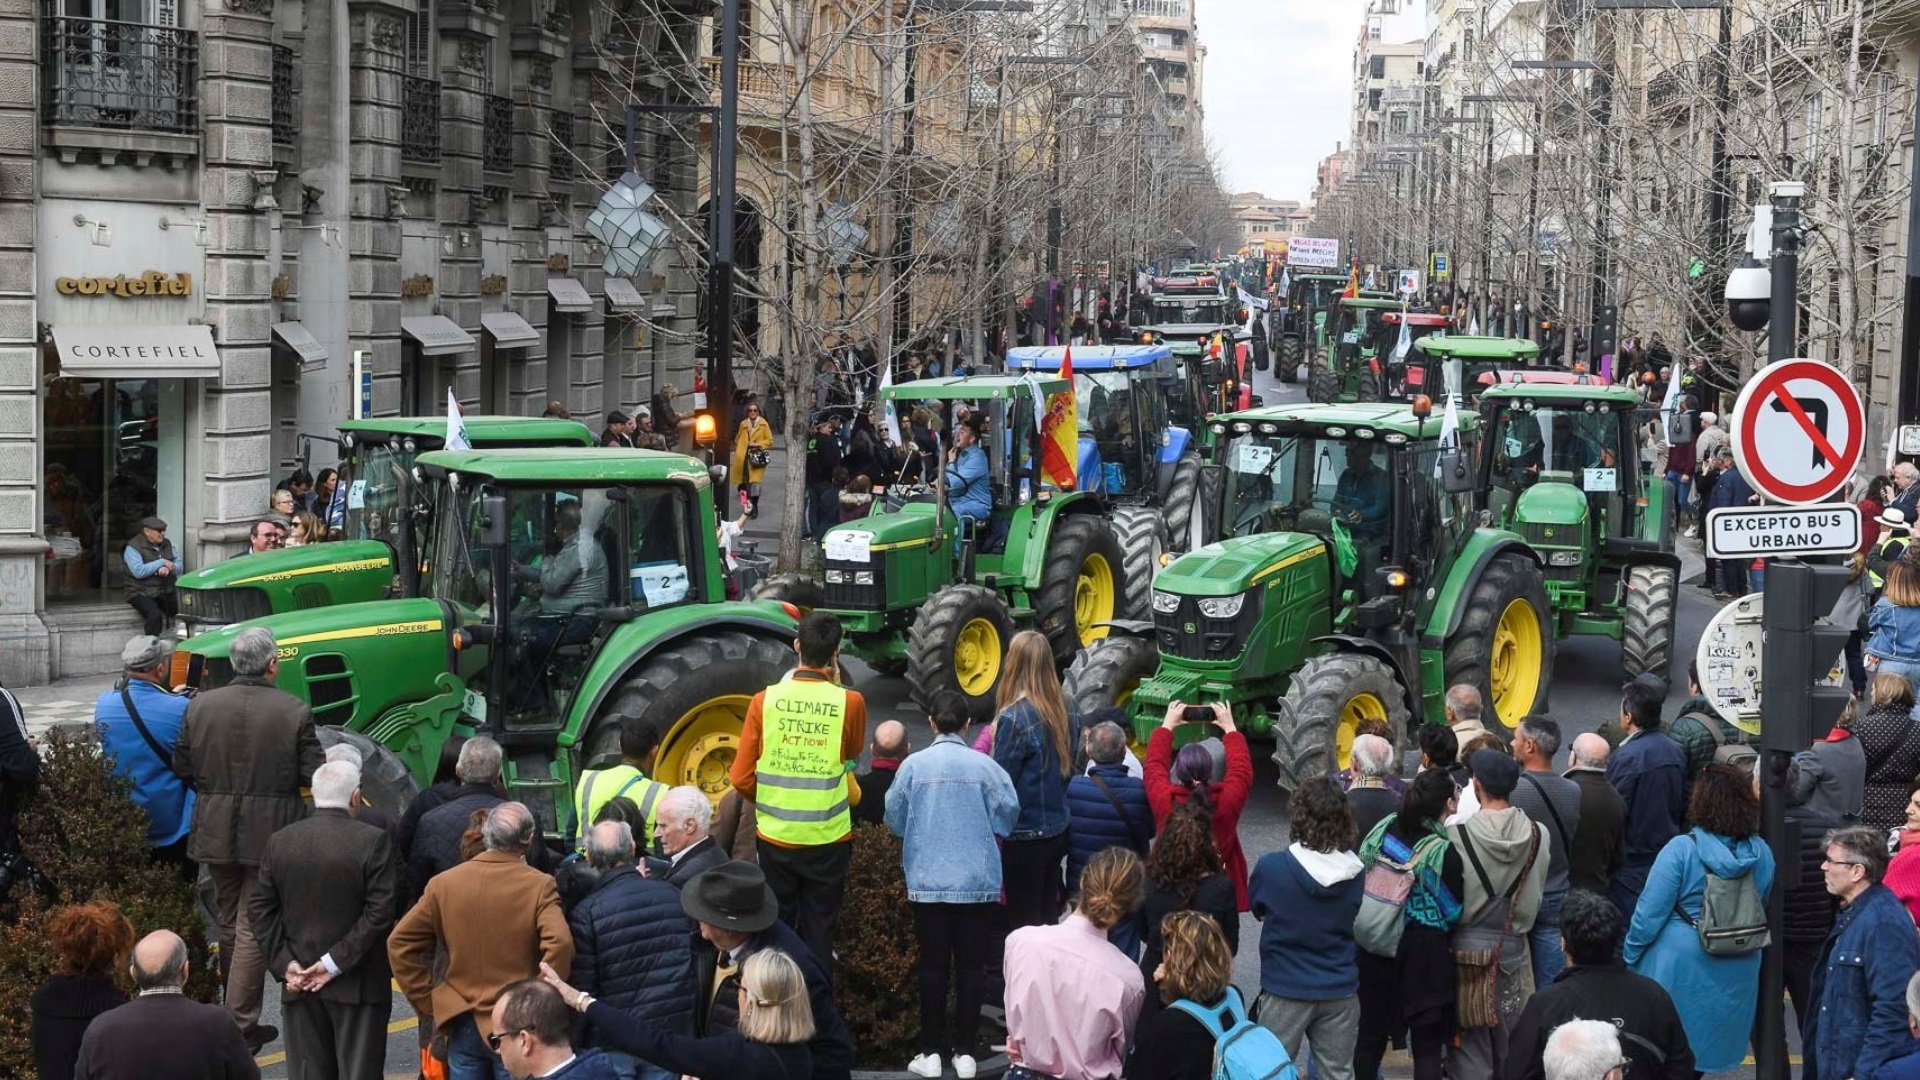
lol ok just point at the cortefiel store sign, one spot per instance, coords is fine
(151, 283)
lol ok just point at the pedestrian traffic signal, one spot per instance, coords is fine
(1800, 652)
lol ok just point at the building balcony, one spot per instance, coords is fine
(119, 87)
(1174, 11)
(496, 135)
(286, 96)
(419, 120)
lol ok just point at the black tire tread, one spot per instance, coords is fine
(1468, 651)
(930, 643)
(1098, 676)
(1180, 495)
(1074, 537)
(799, 590)
(1646, 620)
(675, 677)
(1303, 740)
(1289, 359)
(1142, 535)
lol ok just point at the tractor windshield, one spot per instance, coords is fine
(1307, 484)
(1564, 443)
(1115, 408)
(1189, 311)
(378, 490)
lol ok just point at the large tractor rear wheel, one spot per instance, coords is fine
(1321, 713)
(697, 690)
(1646, 621)
(1108, 673)
(797, 589)
(1178, 505)
(1323, 386)
(1080, 585)
(1143, 536)
(1504, 644)
(1289, 359)
(959, 642)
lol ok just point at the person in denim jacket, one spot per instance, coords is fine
(949, 804)
(1034, 740)
(1893, 625)
(1858, 1021)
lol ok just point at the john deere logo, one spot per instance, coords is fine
(1192, 629)
(1549, 534)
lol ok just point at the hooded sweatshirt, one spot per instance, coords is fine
(1501, 839)
(1306, 902)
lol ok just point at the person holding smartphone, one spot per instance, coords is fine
(1176, 779)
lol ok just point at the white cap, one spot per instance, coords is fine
(1709, 418)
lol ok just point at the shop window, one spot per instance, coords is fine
(108, 443)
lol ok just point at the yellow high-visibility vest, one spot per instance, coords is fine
(801, 778)
(1874, 579)
(598, 787)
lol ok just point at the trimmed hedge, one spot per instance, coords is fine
(83, 831)
(877, 960)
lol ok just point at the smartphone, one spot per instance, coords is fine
(1200, 714)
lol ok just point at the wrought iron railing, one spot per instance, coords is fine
(105, 74)
(560, 153)
(496, 136)
(419, 119)
(286, 96)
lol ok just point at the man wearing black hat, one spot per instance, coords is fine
(823, 498)
(739, 916)
(152, 568)
(1506, 857)
(619, 432)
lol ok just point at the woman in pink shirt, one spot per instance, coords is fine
(1072, 998)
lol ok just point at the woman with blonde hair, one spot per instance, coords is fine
(1033, 739)
(1893, 625)
(306, 529)
(1196, 973)
(769, 1043)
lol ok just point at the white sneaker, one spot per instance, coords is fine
(927, 1065)
(963, 1066)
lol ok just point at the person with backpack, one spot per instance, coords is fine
(1306, 898)
(1204, 1032)
(1553, 802)
(1506, 857)
(1413, 887)
(1833, 771)
(1706, 737)
(1184, 873)
(1890, 740)
(1701, 922)
(1858, 1021)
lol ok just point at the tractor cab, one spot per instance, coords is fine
(1193, 315)
(1484, 362)
(384, 518)
(1352, 365)
(1121, 394)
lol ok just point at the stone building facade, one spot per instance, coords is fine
(225, 225)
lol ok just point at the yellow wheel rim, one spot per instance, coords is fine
(1514, 668)
(1362, 706)
(699, 749)
(976, 657)
(1094, 598)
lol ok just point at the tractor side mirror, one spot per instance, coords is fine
(493, 521)
(1456, 473)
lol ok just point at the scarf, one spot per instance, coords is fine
(1430, 903)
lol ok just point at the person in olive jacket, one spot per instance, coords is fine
(246, 749)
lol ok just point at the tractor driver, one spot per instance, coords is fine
(969, 489)
(572, 578)
(1363, 495)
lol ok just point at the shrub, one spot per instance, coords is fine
(877, 959)
(84, 832)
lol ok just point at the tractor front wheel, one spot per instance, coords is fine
(959, 642)
(1323, 386)
(1079, 584)
(1289, 359)
(1178, 504)
(1143, 536)
(1321, 713)
(1646, 621)
(1108, 673)
(1504, 645)
(797, 589)
(697, 690)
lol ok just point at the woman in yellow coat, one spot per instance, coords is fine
(750, 448)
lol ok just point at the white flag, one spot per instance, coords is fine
(1286, 281)
(1405, 344)
(889, 415)
(1449, 432)
(1473, 327)
(1668, 403)
(456, 425)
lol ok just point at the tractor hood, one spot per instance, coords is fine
(288, 579)
(1551, 502)
(1234, 565)
(911, 522)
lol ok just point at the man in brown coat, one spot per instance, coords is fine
(246, 749)
(498, 919)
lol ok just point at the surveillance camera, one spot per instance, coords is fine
(1749, 296)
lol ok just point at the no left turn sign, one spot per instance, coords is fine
(1798, 431)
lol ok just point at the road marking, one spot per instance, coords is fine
(394, 1028)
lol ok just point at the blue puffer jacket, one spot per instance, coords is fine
(1860, 990)
(1023, 747)
(1096, 825)
(633, 949)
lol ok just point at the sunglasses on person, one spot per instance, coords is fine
(494, 1040)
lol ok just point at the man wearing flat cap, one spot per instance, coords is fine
(739, 916)
(140, 721)
(152, 568)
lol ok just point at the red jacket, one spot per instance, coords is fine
(1228, 798)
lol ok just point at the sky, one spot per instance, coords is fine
(1278, 76)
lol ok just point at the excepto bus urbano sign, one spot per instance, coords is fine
(151, 283)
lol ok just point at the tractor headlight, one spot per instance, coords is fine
(836, 577)
(1166, 603)
(1222, 607)
(1563, 558)
(1241, 427)
(863, 577)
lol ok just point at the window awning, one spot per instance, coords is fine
(301, 341)
(509, 331)
(137, 352)
(437, 335)
(569, 296)
(622, 296)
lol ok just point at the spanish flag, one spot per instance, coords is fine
(1353, 284)
(1060, 431)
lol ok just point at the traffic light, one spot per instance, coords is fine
(1606, 324)
(1801, 649)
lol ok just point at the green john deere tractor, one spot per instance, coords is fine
(1484, 362)
(385, 517)
(565, 587)
(1354, 582)
(921, 594)
(1562, 469)
(1309, 298)
(1206, 330)
(1351, 365)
